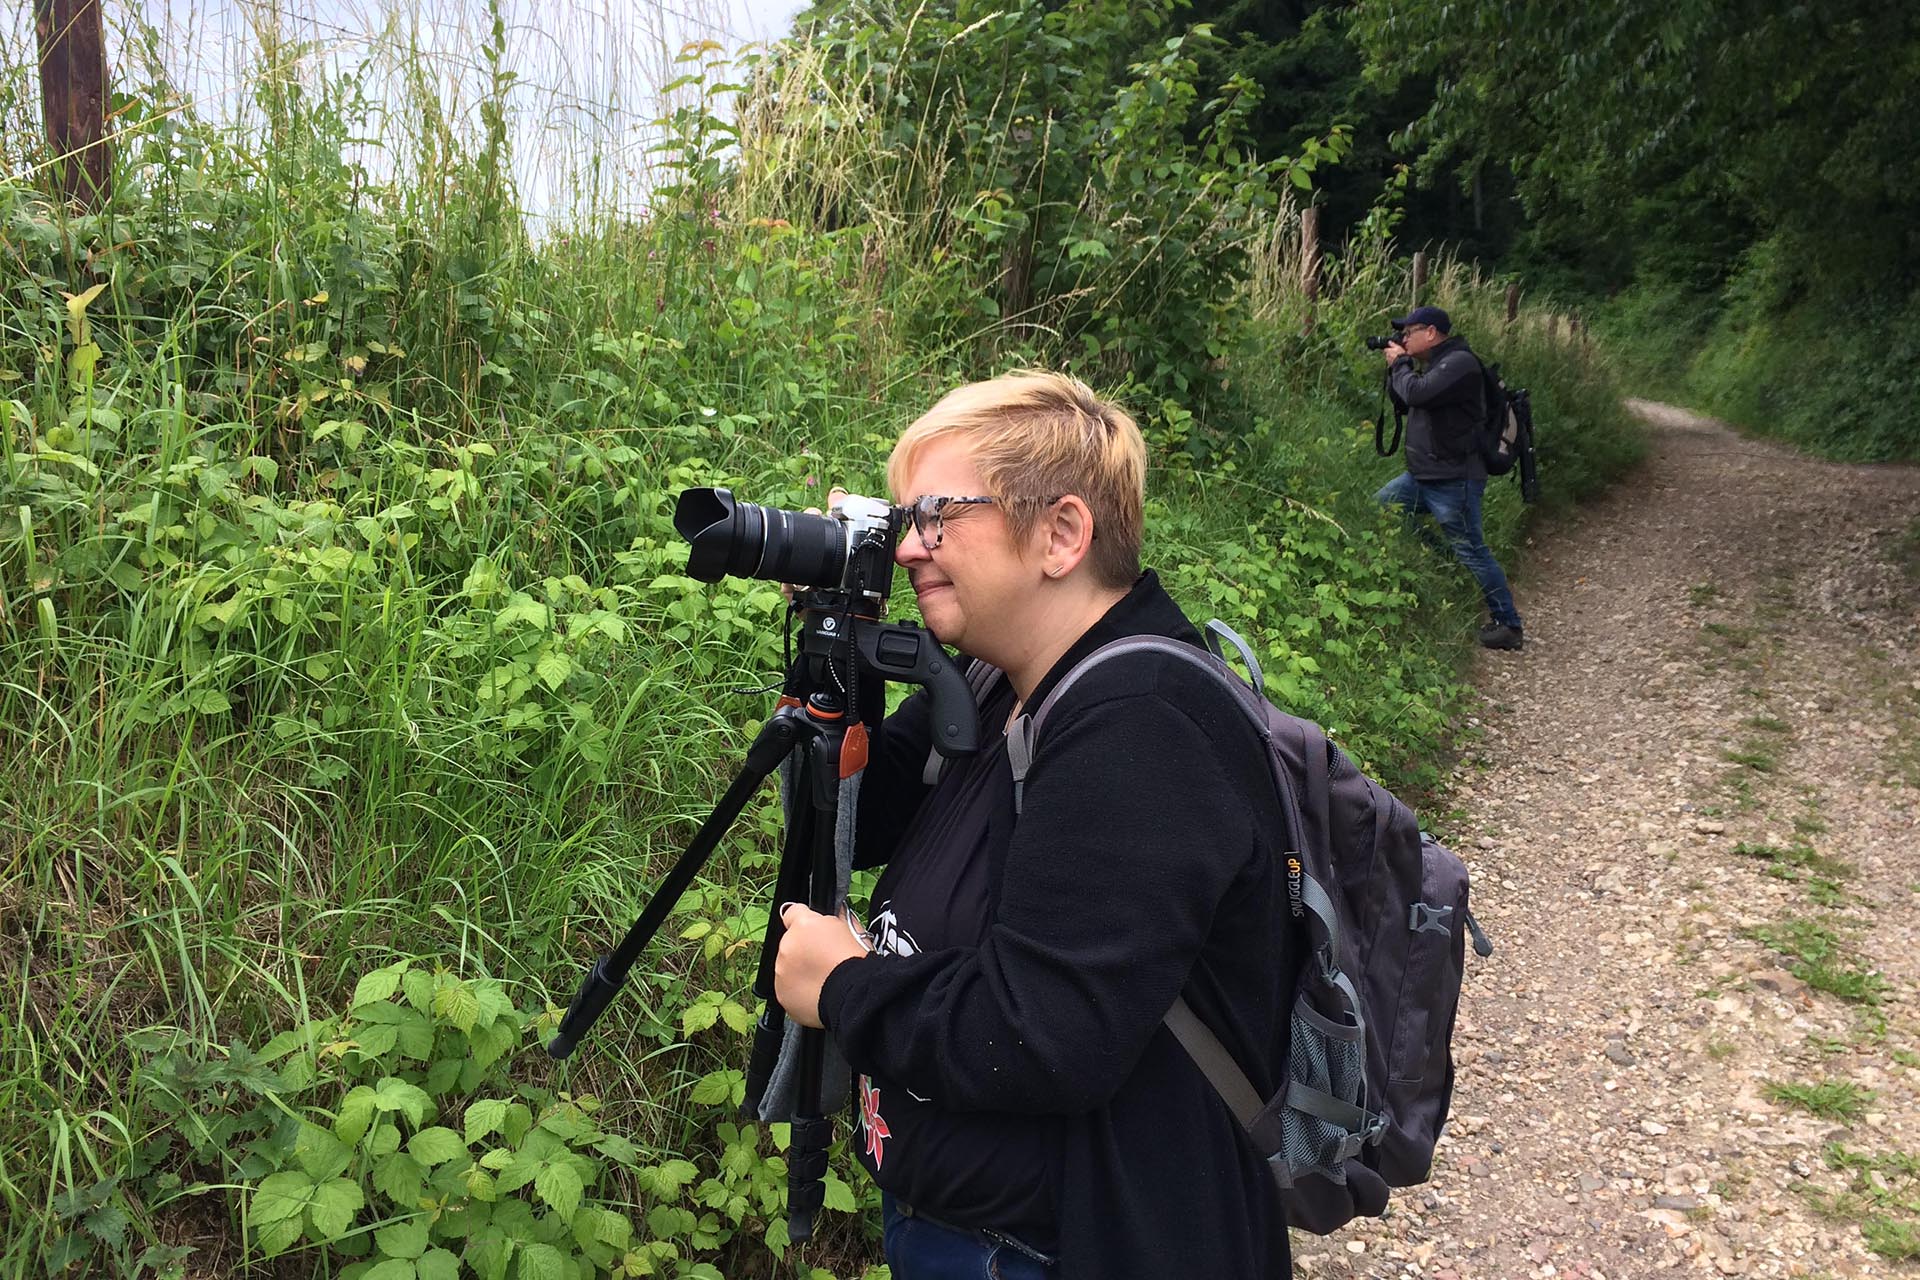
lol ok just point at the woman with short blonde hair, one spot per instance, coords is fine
(1021, 1104)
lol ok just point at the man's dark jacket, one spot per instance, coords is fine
(1146, 862)
(1445, 407)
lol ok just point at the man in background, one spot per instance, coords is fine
(1435, 378)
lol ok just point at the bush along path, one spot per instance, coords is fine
(1692, 810)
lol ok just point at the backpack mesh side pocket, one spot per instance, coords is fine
(1325, 1121)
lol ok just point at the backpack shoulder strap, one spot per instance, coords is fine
(1024, 733)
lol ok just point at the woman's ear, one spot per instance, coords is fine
(1069, 535)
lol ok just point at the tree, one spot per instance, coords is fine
(1794, 119)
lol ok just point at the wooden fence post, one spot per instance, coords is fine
(73, 95)
(1310, 259)
(1513, 304)
(1419, 274)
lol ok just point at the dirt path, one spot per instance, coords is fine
(1694, 827)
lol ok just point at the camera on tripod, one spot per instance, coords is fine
(849, 551)
(841, 568)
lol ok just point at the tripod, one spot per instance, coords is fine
(816, 726)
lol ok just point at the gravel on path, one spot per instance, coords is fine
(1691, 807)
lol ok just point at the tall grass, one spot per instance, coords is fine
(343, 616)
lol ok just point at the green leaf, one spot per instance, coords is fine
(456, 1003)
(614, 1228)
(559, 1185)
(356, 1114)
(543, 1262)
(279, 1197)
(480, 1184)
(443, 1077)
(519, 1173)
(485, 1117)
(553, 668)
(400, 1179)
(278, 1237)
(436, 1146)
(839, 1195)
(417, 984)
(616, 1148)
(736, 1016)
(402, 1239)
(376, 1040)
(438, 1264)
(320, 1153)
(333, 1207)
(394, 1094)
(717, 1087)
(379, 984)
(696, 1018)
(390, 1269)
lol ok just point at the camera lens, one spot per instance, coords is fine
(744, 540)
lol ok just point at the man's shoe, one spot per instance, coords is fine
(1498, 635)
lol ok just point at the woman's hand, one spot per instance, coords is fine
(812, 947)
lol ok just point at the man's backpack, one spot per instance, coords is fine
(1384, 910)
(1506, 433)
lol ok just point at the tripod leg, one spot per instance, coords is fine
(775, 740)
(786, 1076)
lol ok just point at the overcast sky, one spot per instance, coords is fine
(589, 72)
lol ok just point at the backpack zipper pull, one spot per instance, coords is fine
(1482, 945)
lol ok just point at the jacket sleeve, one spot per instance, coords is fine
(1453, 379)
(1130, 838)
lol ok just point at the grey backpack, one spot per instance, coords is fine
(1384, 911)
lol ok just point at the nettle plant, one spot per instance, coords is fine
(393, 1139)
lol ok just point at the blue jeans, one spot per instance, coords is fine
(1455, 507)
(919, 1248)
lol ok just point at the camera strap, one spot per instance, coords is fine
(1380, 446)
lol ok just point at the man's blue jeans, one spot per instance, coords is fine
(919, 1248)
(1455, 507)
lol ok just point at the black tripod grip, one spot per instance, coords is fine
(596, 990)
(806, 1174)
(901, 652)
(768, 1035)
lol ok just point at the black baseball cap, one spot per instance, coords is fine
(1426, 315)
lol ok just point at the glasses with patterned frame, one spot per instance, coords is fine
(929, 513)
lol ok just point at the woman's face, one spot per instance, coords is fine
(974, 586)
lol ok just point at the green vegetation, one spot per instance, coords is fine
(352, 693)
(1821, 958)
(1755, 262)
(1829, 1099)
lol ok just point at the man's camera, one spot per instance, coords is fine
(1376, 343)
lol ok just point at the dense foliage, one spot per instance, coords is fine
(1747, 172)
(352, 695)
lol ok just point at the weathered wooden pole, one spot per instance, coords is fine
(1513, 303)
(1310, 258)
(1419, 274)
(73, 95)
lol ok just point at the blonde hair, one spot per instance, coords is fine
(1035, 437)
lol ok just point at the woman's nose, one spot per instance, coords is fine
(910, 551)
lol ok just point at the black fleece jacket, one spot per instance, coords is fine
(1444, 404)
(1146, 864)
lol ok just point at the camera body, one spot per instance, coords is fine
(1377, 343)
(841, 568)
